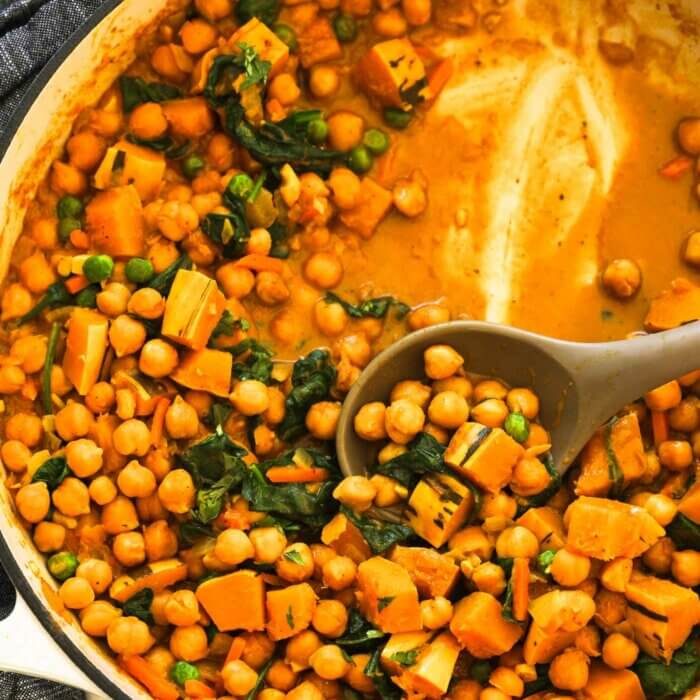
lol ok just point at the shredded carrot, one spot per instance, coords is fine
(29, 390)
(197, 689)
(440, 77)
(145, 674)
(296, 475)
(260, 263)
(80, 239)
(157, 582)
(676, 167)
(159, 420)
(521, 588)
(236, 650)
(77, 283)
(659, 427)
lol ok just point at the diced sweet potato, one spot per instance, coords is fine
(541, 647)
(114, 221)
(373, 204)
(620, 441)
(674, 307)
(661, 612)
(190, 118)
(689, 505)
(162, 575)
(606, 684)
(268, 45)
(433, 573)
(356, 8)
(86, 345)
(126, 163)
(479, 626)
(387, 596)
(346, 539)
(192, 309)
(318, 43)
(432, 672)
(438, 507)
(391, 71)
(485, 456)
(289, 610)
(398, 645)
(605, 529)
(235, 601)
(205, 370)
(545, 523)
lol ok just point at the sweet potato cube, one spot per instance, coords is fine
(438, 507)
(392, 72)
(432, 672)
(267, 44)
(546, 524)
(397, 647)
(661, 612)
(373, 203)
(127, 163)
(689, 505)
(318, 43)
(541, 646)
(387, 596)
(483, 455)
(346, 539)
(605, 529)
(235, 601)
(192, 309)
(606, 684)
(289, 610)
(114, 221)
(356, 8)
(673, 307)
(86, 345)
(433, 573)
(480, 627)
(205, 370)
(190, 117)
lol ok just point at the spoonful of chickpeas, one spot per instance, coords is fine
(469, 383)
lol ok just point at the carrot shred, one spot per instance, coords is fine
(440, 77)
(521, 588)
(236, 650)
(145, 674)
(197, 689)
(659, 427)
(260, 263)
(676, 167)
(77, 283)
(159, 420)
(157, 582)
(29, 390)
(79, 239)
(296, 475)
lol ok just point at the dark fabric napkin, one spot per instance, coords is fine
(30, 33)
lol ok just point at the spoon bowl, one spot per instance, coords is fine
(580, 385)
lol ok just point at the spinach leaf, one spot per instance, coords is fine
(541, 683)
(306, 456)
(257, 363)
(617, 476)
(139, 605)
(544, 561)
(294, 556)
(406, 658)
(412, 95)
(136, 91)
(191, 531)
(164, 144)
(311, 506)
(163, 281)
(231, 230)
(227, 68)
(279, 234)
(684, 532)
(55, 296)
(52, 472)
(382, 683)
(312, 379)
(228, 324)
(265, 10)
(210, 501)
(213, 458)
(285, 525)
(424, 456)
(379, 535)
(46, 393)
(359, 634)
(256, 70)
(663, 680)
(370, 308)
(260, 681)
(218, 414)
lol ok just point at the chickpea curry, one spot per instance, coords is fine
(265, 199)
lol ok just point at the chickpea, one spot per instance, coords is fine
(339, 573)
(271, 694)
(119, 516)
(538, 436)
(281, 676)
(239, 678)
(198, 36)
(259, 649)
(588, 640)
(97, 573)
(345, 130)
(76, 593)
(233, 547)
(403, 420)
(100, 398)
(330, 618)
(214, 10)
(296, 563)
(489, 578)
(182, 609)
(129, 548)
(355, 348)
(84, 457)
(436, 612)
(390, 23)
(74, 421)
(136, 481)
(442, 361)
(300, 647)
(171, 61)
(522, 400)
(129, 636)
(67, 179)
(570, 569)
(492, 413)
(517, 541)
(126, 335)
(448, 410)
(622, 278)
(274, 414)
(688, 135)
(530, 477)
(675, 455)
(331, 318)
(569, 670)
(322, 419)
(161, 659)
(471, 540)
(250, 397)
(323, 270)
(323, 81)
(71, 497)
(356, 492)
(271, 288)
(102, 490)
(160, 541)
(221, 153)
(86, 150)
(31, 350)
(685, 417)
(329, 662)
(16, 301)
(148, 121)
(132, 437)
(508, 681)
(343, 183)
(619, 652)
(661, 508)
(284, 89)
(410, 197)
(24, 427)
(181, 420)
(11, 379)
(237, 282)
(15, 455)
(611, 608)
(685, 567)
(49, 537)
(465, 690)
(113, 300)
(96, 618)
(269, 544)
(177, 491)
(417, 12)
(305, 691)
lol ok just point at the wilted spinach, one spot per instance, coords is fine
(52, 472)
(380, 535)
(684, 532)
(228, 324)
(191, 531)
(265, 10)
(163, 281)
(382, 683)
(424, 456)
(405, 658)
(139, 605)
(660, 680)
(165, 144)
(360, 635)
(542, 497)
(256, 363)
(55, 296)
(212, 458)
(227, 68)
(544, 561)
(370, 308)
(136, 91)
(541, 683)
(218, 414)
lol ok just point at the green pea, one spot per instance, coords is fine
(139, 270)
(544, 560)
(62, 565)
(66, 227)
(182, 672)
(87, 298)
(360, 160)
(480, 671)
(345, 28)
(98, 268)
(69, 207)
(397, 118)
(376, 141)
(317, 131)
(287, 35)
(241, 185)
(517, 426)
(192, 165)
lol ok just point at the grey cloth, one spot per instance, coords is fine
(31, 31)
